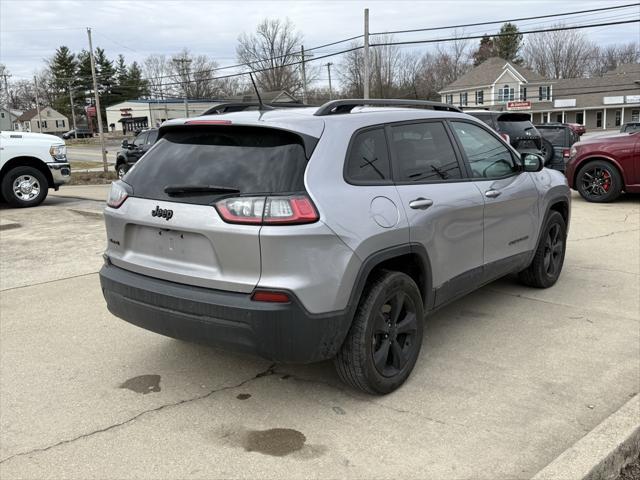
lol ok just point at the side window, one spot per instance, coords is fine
(151, 139)
(368, 159)
(423, 152)
(487, 156)
(140, 139)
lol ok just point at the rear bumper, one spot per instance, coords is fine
(278, 332)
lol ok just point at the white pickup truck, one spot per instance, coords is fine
(31, 164)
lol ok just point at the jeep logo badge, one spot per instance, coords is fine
(162, 212)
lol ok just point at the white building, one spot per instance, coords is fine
(134, 115)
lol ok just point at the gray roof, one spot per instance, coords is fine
(488, 72)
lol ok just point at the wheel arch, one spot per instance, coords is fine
(594, 158)
(26, 161)
(411, 259)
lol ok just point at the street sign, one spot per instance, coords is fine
(524, 105)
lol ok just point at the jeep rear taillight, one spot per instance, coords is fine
(566, 152)
(272, 210)
(505, 137)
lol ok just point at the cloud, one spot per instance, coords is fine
(30, 30)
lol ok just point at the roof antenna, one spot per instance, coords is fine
(260, 104)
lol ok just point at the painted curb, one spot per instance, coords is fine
(603, 452)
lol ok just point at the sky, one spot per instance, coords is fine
(30, 30)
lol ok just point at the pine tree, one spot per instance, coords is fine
(508, 44)
(486, 50)
(62, 72)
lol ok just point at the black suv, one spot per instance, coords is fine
(557, 140)
(515, 128)
(131, 152)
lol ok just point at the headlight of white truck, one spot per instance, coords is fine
(59, 152)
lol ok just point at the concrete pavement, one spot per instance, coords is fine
(509, 377)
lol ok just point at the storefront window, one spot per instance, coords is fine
(618, 118)
(580, 118)
(598, 119)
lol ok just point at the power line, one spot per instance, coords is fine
(537, 17)
(528, 32)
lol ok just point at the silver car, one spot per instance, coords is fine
(309, 234)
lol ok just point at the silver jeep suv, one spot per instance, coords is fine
(317, 233)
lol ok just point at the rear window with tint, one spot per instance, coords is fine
(250, 159)
(555, 135)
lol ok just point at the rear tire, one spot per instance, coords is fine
(599, 182)
(546, 151)
(544, 270)
(385, 338)
(24, 187)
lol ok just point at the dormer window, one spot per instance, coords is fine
(506, 94)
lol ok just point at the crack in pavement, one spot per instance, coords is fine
(48, 281)
(603, 236)
(577, 267)
(271, 370)
(267, 372)
(549, 302)
(366, 398)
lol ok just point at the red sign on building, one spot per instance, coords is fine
(526, 105)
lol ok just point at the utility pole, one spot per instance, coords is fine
(97, 99)
(329, 72)
(73, 112)
(366, 53)
(304, 78)
(185, 73)
(35, 80)
(6, 89)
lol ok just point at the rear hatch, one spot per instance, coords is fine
(169, 227)
(523, 136)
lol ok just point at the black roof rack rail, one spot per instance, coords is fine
(227, 107)
(345, 106)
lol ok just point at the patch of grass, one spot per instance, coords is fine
(85, 164)
(92, 178)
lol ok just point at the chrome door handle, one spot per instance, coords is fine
(420, 203)
(492, 193)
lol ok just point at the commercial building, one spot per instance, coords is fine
(134, 115)
(604, 102)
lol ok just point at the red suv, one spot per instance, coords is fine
(601, 168)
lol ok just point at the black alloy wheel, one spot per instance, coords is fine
(394, 334)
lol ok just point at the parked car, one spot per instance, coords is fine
(326, 232)
(601, 168)
(630, 127)
(578, 128)
(81, 133)
(131, 152)
(559, 137)
(31, 164)
(515, 128)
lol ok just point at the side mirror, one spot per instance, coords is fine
(532, 162)
(125, 143)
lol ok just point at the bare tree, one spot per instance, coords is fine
(404, 74)
(559, 54)
(270, 51)
(610, 57)
(156, 69)
(197, 75)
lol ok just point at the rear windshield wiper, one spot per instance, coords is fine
(196, 189)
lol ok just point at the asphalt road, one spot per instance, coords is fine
(509, 377)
